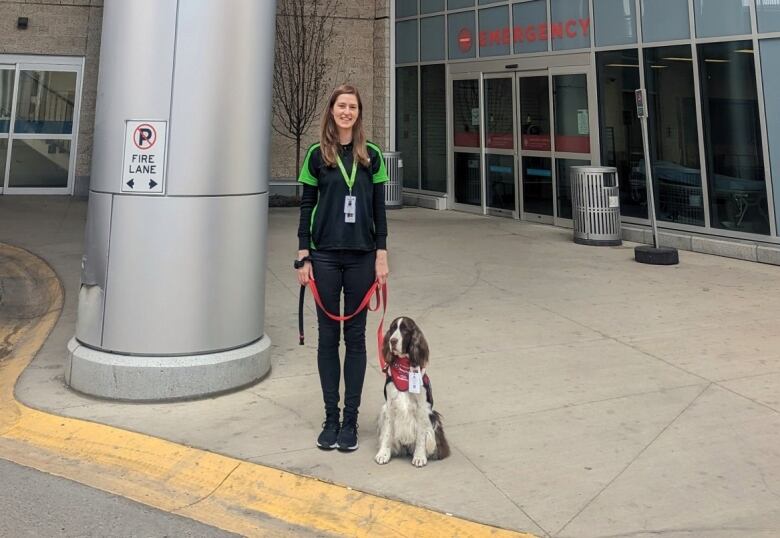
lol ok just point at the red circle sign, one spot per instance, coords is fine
(464, 40)
(144, 136)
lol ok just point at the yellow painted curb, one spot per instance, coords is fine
(223, 492)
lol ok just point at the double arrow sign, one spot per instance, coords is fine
(152, 184)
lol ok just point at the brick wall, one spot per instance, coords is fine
(361, 27)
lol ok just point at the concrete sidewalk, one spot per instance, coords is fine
(583, 394)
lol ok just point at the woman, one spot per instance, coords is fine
(342, 242)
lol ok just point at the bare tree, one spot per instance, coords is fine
(303, 69)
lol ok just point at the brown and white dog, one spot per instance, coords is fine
(407, 422)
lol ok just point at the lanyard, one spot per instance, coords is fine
(350, 180)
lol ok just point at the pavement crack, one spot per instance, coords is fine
(502, 492)
(185, 507)
(636, 457)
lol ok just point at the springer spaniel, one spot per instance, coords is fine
(407, 422)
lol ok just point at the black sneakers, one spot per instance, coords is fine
(328, 439)
(348, 437)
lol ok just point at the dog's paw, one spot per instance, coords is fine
(419, 461)
(382, 457)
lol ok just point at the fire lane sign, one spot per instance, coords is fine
(143, 168)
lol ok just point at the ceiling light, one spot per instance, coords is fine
(716, 61)
(676, 59)
(622, 65)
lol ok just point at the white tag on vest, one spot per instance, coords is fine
(415, 381)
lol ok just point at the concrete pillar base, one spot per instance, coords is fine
(164, 378)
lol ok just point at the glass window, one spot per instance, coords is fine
(721, 17)
(482, 2)
(432, 38)
(467, 179)
(674, 138)
(570, 25)
(494, 34)
(465, 113)
(770, 66)
(615, 22)
(40, 163)
(665, 20)
(406, 112)
(621, 132)
(45, 102)
(460, 30)
(534, 95)
(501, 182)
(6, 101)
(530, 32)
(406, 42)
(572, 119)
(768, 15)
(457, 4)
(735, 165)
(498, 114)
(3, 156)
(405, 8)
(563, 178)
(537, 185)
(431, 6)
(433, 128)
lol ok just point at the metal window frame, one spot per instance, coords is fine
(43, 63)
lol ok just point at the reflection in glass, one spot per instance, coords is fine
(6, 99)
(735, 166)
(674, 140)
(467, 179)
(432, 42)
(664, 21)
(465, 113)
(615, 22)
(537, 185)
(433, 127)
(572, 123)
(39, 163)
(570, 24)
(498, 114)
(3, 156)
(563, 179)
(715, 18)
(495, 36)
(534, 95)
(501, 181)
(406, 41)
(406, 123)
(621, 132)
(768, 15)
(528, 18)
(46, 100)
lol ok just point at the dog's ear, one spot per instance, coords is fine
(386, 355)
(418, 346)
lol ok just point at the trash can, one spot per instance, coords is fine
(394, 188)
(595, 205)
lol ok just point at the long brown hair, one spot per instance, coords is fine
(329, 132)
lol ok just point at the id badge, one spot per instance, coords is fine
(415, 381)
(349, 209)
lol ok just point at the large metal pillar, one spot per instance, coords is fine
(173, 279)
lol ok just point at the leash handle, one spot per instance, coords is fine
(301, 297)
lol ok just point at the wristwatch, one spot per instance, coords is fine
(299, 263)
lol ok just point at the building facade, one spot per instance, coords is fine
(496, 100)
(490, 102)
(49, 55)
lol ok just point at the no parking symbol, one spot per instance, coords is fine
(143, 168)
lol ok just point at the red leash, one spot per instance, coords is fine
(376, 289)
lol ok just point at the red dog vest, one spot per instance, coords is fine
(398, 372)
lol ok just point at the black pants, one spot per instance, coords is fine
(354, 272)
